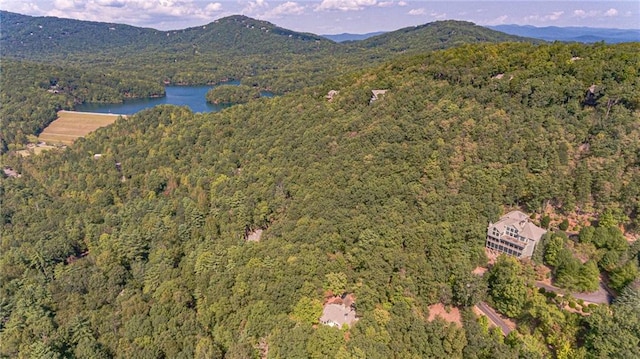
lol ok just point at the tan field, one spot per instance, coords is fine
(70, 125)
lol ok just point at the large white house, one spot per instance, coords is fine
(514, 234)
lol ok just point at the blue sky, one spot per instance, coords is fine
(337, 16)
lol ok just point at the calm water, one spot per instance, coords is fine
(192, 96)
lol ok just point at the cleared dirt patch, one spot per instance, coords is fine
(451, 315)
(255, 235)
(71, 125)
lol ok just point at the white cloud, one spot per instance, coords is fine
(416, 12)
(499, 20)
(402, 3)
(213, 7)
(345, 5)
(584, 14)
(438, 16)
(22, 8)
(255, 6)
(611, 12)
(65, 4)
(111, 3)
(288, 8)
(553, 16)
(385, 3)
(595, 13)
(155, 13)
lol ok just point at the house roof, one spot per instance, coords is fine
(376, 93)
(521, 222)
(338, 314)
(331, 94)
(532, 231)
(254, 236)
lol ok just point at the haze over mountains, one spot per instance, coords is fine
(551, 33)
(352, 37)
(572, 34)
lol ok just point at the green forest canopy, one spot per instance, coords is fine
(148, 257)
(142, 253)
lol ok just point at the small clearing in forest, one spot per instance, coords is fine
(451, 314)
(71, 124)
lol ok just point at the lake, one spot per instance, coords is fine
(192, 96)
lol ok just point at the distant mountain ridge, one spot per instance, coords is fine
(352, 37)
(45, 38)
(253, 36)
(22, 35)
(444, 34)
(572, 34)
(26, 36)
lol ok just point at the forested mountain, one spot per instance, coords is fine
(45, 37)
(142, 252)
(31, 93)
(245, 36)
(138, 61)
(32, 37)
(572, 34)
(50, 37)
(442, 35)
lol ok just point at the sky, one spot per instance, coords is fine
(338, 16)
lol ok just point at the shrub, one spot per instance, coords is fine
(544, 222)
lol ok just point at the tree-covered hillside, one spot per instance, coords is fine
(32, 93)
(43, 38)
(50, 37)
(142, 251)
(30, 37)
(117, 61)
(246, 36)
(443, 34)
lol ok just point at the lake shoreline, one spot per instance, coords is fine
(178, 95)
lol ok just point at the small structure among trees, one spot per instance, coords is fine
(339, 311)
(331, 94)
(10, 172)
(376, 95)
